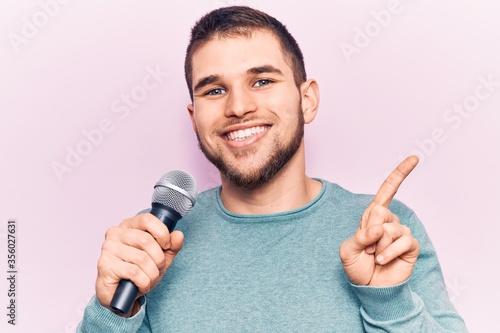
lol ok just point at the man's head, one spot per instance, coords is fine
(242, 21)
(249, 106)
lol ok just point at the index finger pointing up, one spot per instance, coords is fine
(391, 184)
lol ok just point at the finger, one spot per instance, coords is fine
(394, 180)
(405, 247)
(362, 239)
(392, 232)
(110, 271)
(134, 238)
(135, 257)
(175, 245)
(120, 270)
(151, 224)
(378, 215)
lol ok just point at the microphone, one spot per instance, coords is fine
(174, 195)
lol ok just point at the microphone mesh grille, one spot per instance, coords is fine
(171, 197)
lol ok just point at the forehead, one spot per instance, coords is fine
(227, 56)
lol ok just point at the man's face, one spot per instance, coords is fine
(246, 109)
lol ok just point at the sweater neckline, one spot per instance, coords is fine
(291, 214)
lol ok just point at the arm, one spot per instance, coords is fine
(399, 289)
(98, 318)
(140, 249)
(419, 304)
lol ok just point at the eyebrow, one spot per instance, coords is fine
(206, 81)
(254, 70)
(264, 69)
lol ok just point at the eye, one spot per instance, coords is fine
(263, 82)
(216, 91)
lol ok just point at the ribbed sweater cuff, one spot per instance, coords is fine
(388, 303)
(98, 318)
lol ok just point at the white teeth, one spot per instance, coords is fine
(246, 133)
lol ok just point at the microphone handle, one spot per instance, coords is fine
(127, 291)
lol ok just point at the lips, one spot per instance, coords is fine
(243, 134)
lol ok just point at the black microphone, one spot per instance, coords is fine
(174, 195)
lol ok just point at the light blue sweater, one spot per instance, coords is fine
(282, 273)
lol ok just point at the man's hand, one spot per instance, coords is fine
(382, 252)
(140, 249)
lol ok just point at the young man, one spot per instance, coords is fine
(262, 251)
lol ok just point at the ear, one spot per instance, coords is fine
(309, 91)
(190, 108)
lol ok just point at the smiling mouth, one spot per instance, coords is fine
(246, 133)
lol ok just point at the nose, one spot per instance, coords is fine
(239, 103)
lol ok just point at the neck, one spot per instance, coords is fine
(289, 189)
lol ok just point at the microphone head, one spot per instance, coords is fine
(177, 190)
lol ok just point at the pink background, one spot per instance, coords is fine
(67, 76)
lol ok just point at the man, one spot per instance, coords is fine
(262, 251)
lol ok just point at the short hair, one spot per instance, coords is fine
(242, 21)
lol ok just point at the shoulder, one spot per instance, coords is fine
(344, 199)
(351, 201)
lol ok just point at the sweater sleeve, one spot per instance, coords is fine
(420, 304)
(98, 318)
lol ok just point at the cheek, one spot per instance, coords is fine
(205, 117)
(286, 111)
(201, 127)
(204, 127)
(284, 104)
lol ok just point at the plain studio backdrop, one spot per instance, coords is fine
(93, 112)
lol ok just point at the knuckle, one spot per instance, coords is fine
(146, 219)
(391, 180)
(164, 241)
(102, 264)
(142, 218)
(357, 237)
(141, 258)
(133, 272)
(362, 236)
(155, 276)
(393, 230)
(111, 232)
(144, 240)
(162, 266)
(410, 242)
(379, 210)
(106, 246)
(160, 261)
(125, 222)
(143, 282)
(406, 241)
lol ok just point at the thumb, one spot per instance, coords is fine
(363, 238)
(176, 243)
